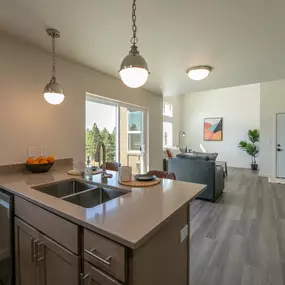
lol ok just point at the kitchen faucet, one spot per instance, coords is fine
(104, 173)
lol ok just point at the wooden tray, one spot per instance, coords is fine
(135, 183)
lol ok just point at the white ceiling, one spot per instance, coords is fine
(244, 40)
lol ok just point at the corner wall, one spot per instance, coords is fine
(272, 101)
(27, 120)
(240, 109)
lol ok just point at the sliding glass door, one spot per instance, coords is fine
(123, 129)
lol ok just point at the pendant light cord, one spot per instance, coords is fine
(134, 39)
(53, 59)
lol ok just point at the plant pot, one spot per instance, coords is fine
(254, 166)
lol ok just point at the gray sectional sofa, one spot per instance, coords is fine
(199, 168)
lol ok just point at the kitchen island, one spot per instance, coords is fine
(141, 237)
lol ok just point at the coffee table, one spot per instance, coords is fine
(224, 165)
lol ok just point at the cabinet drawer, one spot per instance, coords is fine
(105, 254)
(58, 229)
(95, 276)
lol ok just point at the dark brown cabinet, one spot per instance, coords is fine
(41, 261)
(94, 276)
(25, 250)
(57, 265)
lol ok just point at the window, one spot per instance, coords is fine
(123, 129)
(167, 109)
(167, 134)
(134, 131)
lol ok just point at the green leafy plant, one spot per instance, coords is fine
(250, 147)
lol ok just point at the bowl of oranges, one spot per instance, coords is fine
(40, 164)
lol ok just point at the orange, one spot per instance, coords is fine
(40, 158)
(30, 160)
(50, 159)
(35, 162)
(43, 161)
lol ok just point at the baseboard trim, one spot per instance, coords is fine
(276, 180)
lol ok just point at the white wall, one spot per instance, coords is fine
(239, 107)
(272, 101)
(176, 120)
(27, 120)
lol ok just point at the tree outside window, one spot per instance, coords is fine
(94, 136)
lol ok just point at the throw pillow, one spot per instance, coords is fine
(169, 153)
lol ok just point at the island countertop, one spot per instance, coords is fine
(129, 219)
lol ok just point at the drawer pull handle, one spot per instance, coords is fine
(106, 261)
(38, 250)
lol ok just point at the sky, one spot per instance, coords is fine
(103, 115)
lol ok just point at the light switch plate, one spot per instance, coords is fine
(184, 233)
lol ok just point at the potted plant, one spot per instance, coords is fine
(250, 147)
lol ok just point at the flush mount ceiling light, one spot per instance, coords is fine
(134, 71)
(198, 72)
(53, 92)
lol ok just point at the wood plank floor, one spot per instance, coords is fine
(240, 240)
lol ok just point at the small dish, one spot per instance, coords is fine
(145, 177)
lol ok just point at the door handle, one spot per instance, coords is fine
(33, 249)
(38, 250)
(279, 149)
(84, 278)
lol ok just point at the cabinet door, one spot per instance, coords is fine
(25, 253)
(94, 276)
(58, 266)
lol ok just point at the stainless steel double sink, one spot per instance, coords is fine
(79, 192)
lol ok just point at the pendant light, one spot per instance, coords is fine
(134, 71)
(53, 92)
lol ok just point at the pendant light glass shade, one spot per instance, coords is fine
(53, 92)
(134, 71)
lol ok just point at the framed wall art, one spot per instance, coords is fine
(213, 129)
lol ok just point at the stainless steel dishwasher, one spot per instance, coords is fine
(6, 238)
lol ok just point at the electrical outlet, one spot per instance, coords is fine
(32, 151)
(184, 233)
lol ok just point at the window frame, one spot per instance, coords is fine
(134, 132)
(170, 106)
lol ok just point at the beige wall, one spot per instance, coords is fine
(27, 120)
(239, 108)
(245, 107)
(272, 101)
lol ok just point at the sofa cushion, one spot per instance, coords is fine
(212, 156)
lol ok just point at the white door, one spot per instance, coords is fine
(280, 147)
